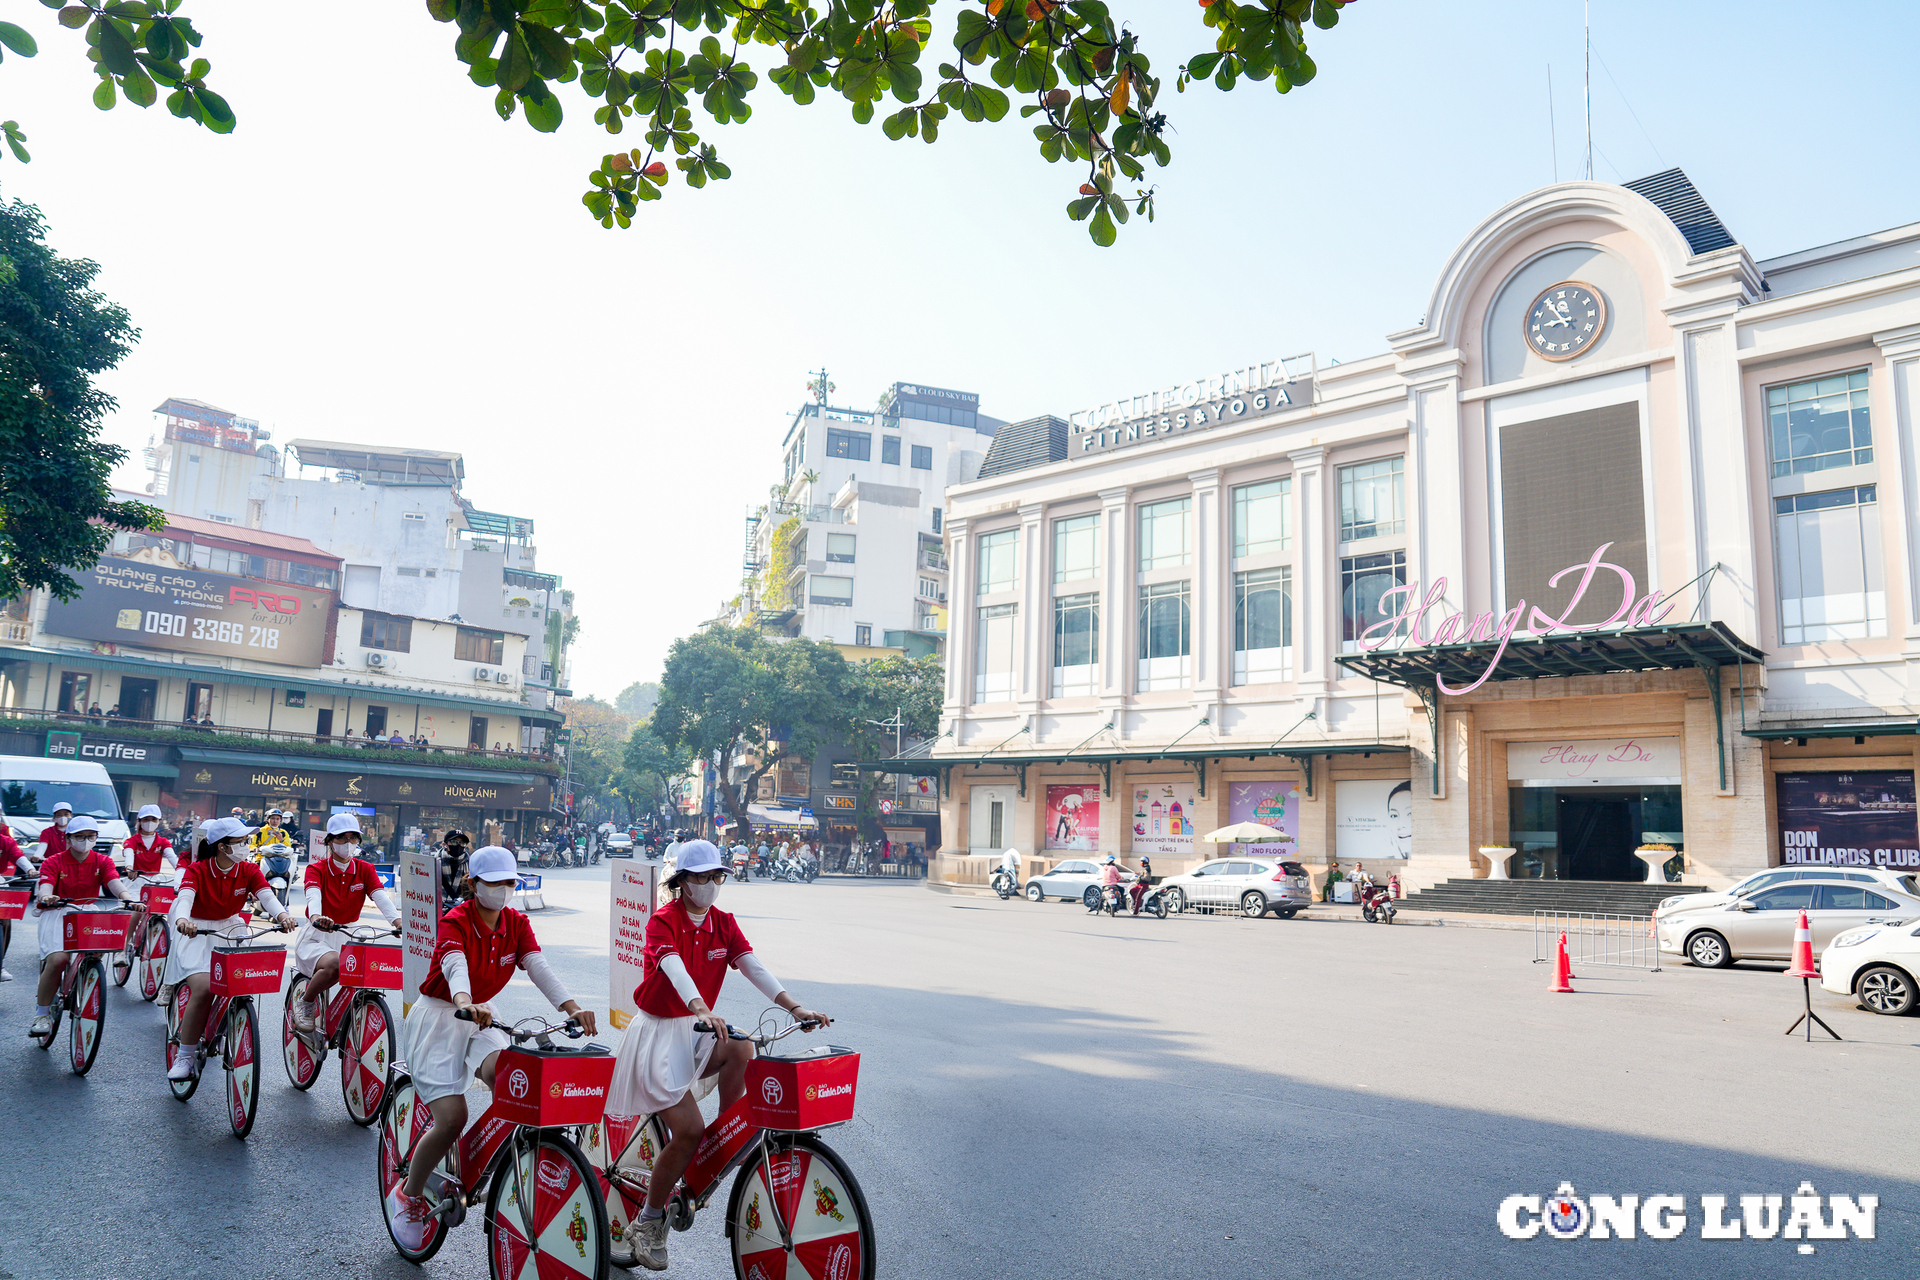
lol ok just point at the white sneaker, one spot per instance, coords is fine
(303, 1015)
(5, 976)
(412, 1219)
(42, 1025)
(186, 1063)
(649, 1239)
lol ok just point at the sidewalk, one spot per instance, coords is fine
(1327, 912)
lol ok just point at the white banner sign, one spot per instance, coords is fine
(419, 889)
(635, 887)
(1372, 818)
(1585, 758)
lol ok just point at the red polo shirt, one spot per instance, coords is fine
(78, 879)
(146, 857)
(217, 894)
(492, 954)
(342, 893)
(706, 950)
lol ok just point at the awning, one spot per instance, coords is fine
(766, 816)
(377, 761)
(1836, 729)
(123, 768)
(1300, 751)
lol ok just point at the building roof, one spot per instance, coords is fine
(163, 406)
(1020, 445)
(382, 464)
(1673, 193)
(203, 530)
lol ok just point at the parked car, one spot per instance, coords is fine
(1898, 881)
(617, 845)
(1878, 963)
(1759, 926)
(1256, 885)
(1068, 879)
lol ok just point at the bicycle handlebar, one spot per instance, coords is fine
(365, 933)
(571, 1028)
(91, 906)
(759, 1041)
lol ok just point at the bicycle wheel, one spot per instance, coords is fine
(302, 1059)
(153, 958)
(402, 1120)
(89, 1015)
(243, 1066)
(820, 1201)
(626, 1146)
(123, 958)
(366, 1058)
(176, 1011)
(545, 1216)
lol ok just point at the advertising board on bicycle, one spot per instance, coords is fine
(157, 898)
(94, 930)
(373, 965)
(731, 1130)
(807, 1091)
(246, 971)
(635, 890)
(544, 1090)
(13, 904)
(419, 874)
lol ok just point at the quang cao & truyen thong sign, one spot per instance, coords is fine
(155, 606)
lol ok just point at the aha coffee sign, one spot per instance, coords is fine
(155, 606)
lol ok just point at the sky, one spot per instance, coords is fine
(373, 256)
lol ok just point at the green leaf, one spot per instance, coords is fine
(14, 140)
(1325, 14)
(543, 110)
(116, 51)
(1102, 230)
(516, 64)
(214, 111)
(551, 55)
(1202, 67)
(17, 39)
(139, 89)
(75, 16)
(103, 95)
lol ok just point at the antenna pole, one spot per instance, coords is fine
(1553, 129)
(1586, 13)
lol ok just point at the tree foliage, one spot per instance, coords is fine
(57, 510)
(913, 689)
(668, 70)
(651, 765)
(637, 700)
(597, 750)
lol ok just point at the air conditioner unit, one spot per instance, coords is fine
(502, 678)
(483, 673)
(376, 659)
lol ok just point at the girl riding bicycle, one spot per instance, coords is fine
(213, 892)
(663, 1067)
(482, 941)
(337, 889)
(152, 852)
(73, 874)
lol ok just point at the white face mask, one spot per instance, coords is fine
(493, 896)
(149, 824)
(79, 841)
(703, 895)
(60, 820)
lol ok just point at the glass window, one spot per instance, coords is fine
(936, 519)
(1263, 626)
(825, 590)
(863, 634)
(1814, 425)
(1076, 645)
(840, 548)
(1262, 516)
(996, 561)
(1788, 897)
(1076, 548)
(1831, 584)
(923, 457)
(929, 588)
(1373, 500)
(890, 450)
(1166, 636)
(470, 645)
(857, 445)
(1363, 580)
(382, 631)
(993, 654)
(1163, 534)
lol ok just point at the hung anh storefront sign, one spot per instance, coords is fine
(1572, 761)
(362, 788)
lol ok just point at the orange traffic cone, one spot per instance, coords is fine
(1562, 970)
(1803, 950)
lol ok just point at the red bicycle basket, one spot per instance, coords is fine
(158, 897)
(546, 1089)
(13, 903)
(246, 971)
(806, 1091)
(370, 964)
(94, 930)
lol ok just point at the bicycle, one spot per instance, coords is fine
(355, 1020)
(15, 893)
(83, 987)
(237, 975)
(156, 895)
(518, 1157)
(769, 1136)
(155, 940)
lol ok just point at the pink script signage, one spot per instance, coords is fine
(1594, 758)
(1634, 611)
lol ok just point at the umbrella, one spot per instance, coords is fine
(1244, 833)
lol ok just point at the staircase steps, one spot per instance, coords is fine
(1524, 897)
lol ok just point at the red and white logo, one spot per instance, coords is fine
(219, 971)
(770, 1091)
(840, 1262)
(352, 962)
(556, 1176)
(518, 1083)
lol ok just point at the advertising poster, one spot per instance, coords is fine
(156, 606)
(1848, 819)
(419, 921)
(1163, 818)
(1271, 802)
(1073, 816)
(635, 888)
(1373, 819)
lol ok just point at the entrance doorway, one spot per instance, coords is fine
(137, 697)
(1590, 831)
(1597, 838)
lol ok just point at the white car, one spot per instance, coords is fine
(617, 844)
(1255, 885)
(1713, 933)
(1068, 879)
(1898, 881)
(1880, 964)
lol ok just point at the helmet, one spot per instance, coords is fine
(1109, 857)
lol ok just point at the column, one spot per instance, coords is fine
(1721, 528)
(1034, 679)
(1437, 486)
(1116, 607)
(1316, 578)
(1208, 594)
(960, 622)
(1901, 350)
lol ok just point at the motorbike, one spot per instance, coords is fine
(276, 860)
(1005, 883)
(743, 867)
(1376, 904)
(794, 870)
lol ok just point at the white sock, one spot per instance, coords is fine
(42, 1010)
(652, 1215)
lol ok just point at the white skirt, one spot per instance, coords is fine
(311, 944)
(188, 956)
(51, 937)
(441, 1051)
(658, 1061)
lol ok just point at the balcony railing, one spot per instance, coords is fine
(16, 632)
(813, 514)
(933, 560)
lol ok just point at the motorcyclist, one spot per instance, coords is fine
(1112, 875)
(273, 832)
(1140, 883)
(453, 866)
(1010, 866)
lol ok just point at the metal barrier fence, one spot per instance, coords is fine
(1623, 941)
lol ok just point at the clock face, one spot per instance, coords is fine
(1566, 320)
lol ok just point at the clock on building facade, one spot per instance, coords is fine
(1565, 320)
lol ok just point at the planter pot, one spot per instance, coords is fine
(1496, 857)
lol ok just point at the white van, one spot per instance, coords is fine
(31, 785)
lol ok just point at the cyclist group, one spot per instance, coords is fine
(663, 1066)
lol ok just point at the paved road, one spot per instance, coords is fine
(1044, 1093)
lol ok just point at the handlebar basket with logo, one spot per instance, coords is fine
(246, 971)
(545, 1088)
(158, 898)
(13, 903)
(94, 930)
(369, 964)
(809, 1090)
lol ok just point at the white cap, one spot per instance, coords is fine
(147, 811)
(698, 855)
(59, 805)
(341, 823)
(225, 829)
(493, 864)
(83, 824)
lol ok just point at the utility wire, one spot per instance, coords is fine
(1630, 111)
